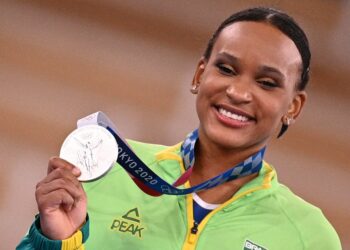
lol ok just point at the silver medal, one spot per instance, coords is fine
(92, 149)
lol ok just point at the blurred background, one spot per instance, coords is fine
(61, 60)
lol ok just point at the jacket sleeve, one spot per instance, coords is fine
(319, 233)
(35, 240)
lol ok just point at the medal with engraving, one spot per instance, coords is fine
(92, 149)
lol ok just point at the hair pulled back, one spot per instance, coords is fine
(282, 22)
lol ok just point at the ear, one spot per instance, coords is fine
(196, 81)
(297, 105)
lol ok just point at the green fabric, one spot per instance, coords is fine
(123, 217)
(36, 240)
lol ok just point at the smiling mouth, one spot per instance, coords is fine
(234, 115)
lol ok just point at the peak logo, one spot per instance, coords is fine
(248, 245)
(129, 223)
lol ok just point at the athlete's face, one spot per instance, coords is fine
(247, 86)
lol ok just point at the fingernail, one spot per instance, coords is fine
(76, 171)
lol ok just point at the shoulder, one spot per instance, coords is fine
(314, 229)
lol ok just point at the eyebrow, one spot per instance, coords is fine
(229, 57)
(268, 69)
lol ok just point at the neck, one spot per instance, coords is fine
(211, 161)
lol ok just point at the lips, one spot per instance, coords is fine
(234, 113)
(233, 117)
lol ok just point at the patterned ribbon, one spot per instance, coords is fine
(150, 183)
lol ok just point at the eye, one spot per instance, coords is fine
(268, 84)
(225, 69)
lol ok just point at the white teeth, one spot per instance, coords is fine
(233, 115)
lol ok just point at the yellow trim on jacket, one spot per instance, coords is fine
(192, 239)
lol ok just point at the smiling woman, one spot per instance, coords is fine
(249, 84)
(245, 87)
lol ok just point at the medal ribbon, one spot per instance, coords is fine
(150, 183)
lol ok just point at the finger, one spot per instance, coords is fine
(61, 173)
(75, 191)
(54, 200)
(56, 162)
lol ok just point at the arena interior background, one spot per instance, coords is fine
(134, 60)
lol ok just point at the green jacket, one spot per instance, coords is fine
(263, 214)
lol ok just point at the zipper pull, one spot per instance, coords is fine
(194, 229)
(193, 235)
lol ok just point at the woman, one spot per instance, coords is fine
(249, 83)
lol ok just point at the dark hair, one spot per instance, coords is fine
(281, 21)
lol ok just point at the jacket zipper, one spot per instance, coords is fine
(194, 229)
(193, 234)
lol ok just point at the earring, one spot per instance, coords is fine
(287, 121)
(283, 130)
(194, 89)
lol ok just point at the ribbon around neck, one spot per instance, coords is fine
(150, 183)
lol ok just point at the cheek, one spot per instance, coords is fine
(212, 86)
(274, 109)
(206, 93)
(202, 104)
(200, 100)
(205, 99)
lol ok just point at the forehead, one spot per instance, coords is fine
(258, 42)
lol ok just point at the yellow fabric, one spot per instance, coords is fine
(169, 154)
(191, 239)
(75, 242)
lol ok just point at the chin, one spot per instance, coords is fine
(225, 139)
(232, 139)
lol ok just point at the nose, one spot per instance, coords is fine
(239, 92)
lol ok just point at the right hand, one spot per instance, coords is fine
(61, 200)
